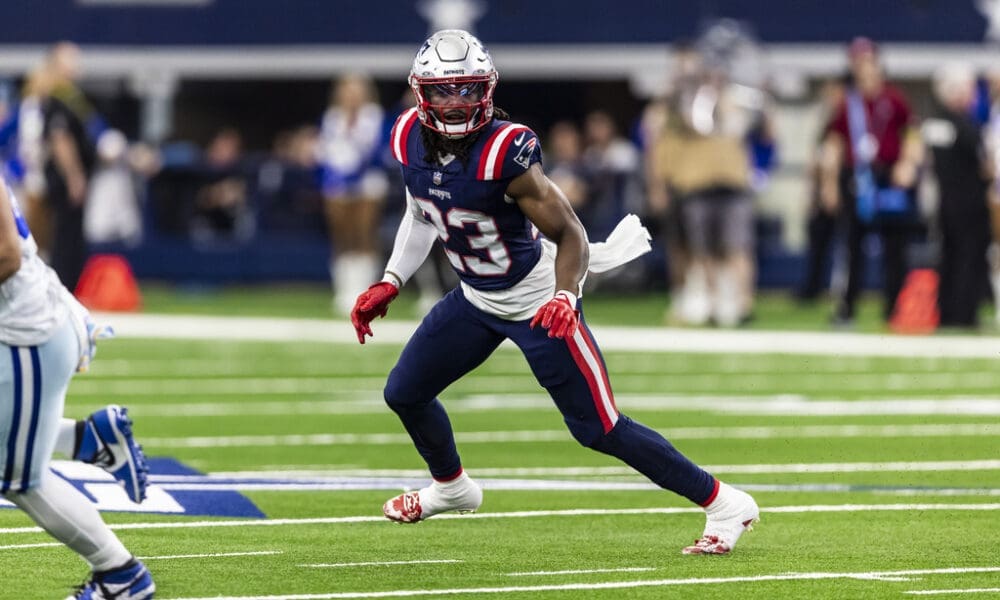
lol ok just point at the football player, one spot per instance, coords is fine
(45, 336)
(474, 181)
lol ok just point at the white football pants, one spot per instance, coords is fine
(33, 383)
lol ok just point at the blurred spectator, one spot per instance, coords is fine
(70, 157)
(111, 213)
(10, 166)
(290, 199)
(993, 147)
(704, 160)
(351, 138)
(873, 160)
(612, 165)
(659, 116)
(564, 164)
(222, 207)
(30, 158)
(299, 147)
(964, 173)
(822, 214)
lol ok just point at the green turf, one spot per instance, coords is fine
(282, 389)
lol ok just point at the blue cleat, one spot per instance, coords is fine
(107, 442)
(130, 582)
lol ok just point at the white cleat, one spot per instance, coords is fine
(727, 517)
(462, 495)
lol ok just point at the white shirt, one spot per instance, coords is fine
(524, 298)
(346, 145)
(627, 241)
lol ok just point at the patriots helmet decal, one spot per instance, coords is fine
(453, 79)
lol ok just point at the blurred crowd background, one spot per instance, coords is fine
(816, 150)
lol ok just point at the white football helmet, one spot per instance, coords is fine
(453, 79)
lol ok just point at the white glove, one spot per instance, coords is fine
(87, 331)
(94, 332)
(628, 241)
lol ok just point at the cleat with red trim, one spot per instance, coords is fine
(727, 517)
(462, 494)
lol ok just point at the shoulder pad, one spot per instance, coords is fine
(510, 150)
(400, 136)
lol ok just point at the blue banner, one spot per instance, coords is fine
(293, 22)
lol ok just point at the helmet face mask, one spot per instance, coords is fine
(453, 79)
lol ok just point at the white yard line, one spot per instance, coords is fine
(308, 363)
(582, 571)
(956, 591)
(560, 435)
(214, 555)
(772, 405)
(293, 471)
(380, 564)
(944, 492)
(610, 338)
(611, 585)
(23, 546)
(861, 467)
(173, 557)
(249, 408)
(871, 382)
(588, 512)
(227, 386)
(393, 484)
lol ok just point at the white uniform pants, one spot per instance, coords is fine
(33, 382)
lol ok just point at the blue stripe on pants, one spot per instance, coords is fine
(14, 423)
(36, 407)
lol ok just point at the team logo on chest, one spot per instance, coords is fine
(437, 177)
(442, 194)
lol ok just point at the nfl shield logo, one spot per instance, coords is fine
(436, 177)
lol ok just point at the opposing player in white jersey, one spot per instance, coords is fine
(45, 336)
(474, 182)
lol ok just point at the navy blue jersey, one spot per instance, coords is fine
(491, 244)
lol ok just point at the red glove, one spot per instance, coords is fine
(373, 302)
(558, 315)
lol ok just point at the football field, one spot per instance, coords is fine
(877, 476)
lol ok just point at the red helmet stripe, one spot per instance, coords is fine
(400, 133)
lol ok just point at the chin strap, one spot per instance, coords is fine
(445, 128)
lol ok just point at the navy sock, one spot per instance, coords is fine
(430, 429)
(652, 455)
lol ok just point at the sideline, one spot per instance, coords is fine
(659, 339)
(614, 585)
(778, 432)
(579, 512)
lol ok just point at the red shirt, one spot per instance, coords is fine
(888, 115)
